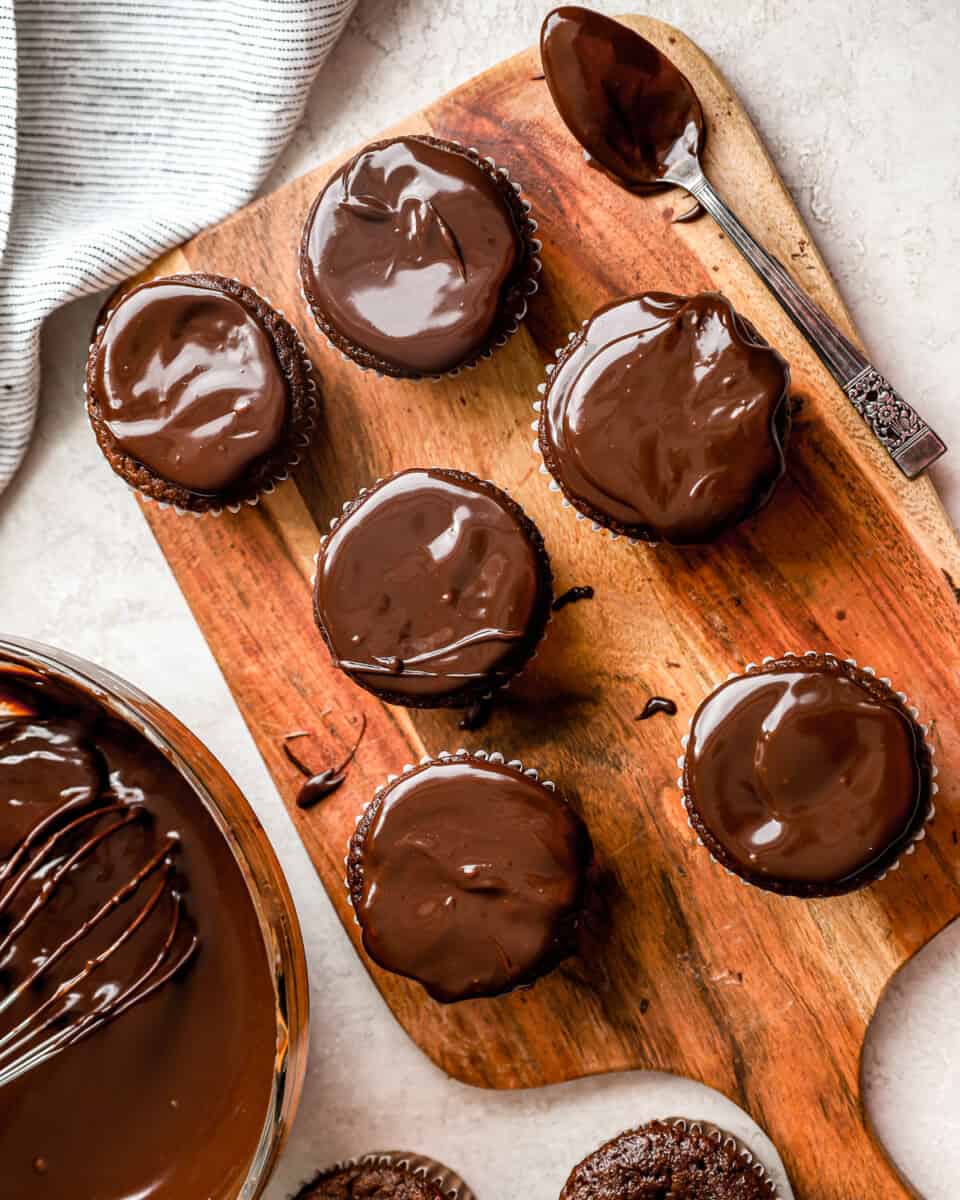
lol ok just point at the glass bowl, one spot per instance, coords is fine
(255, 858)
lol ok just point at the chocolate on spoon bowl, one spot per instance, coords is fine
(153, 992)
(638, 116)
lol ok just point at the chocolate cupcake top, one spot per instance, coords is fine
(373, 1181)
(407, 254)
(669, 1158)
(623, 101)
(665, 418)
(806, 775)
(468, 876)
(432, 588)
(189, 383)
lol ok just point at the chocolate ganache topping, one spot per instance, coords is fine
(624, 102)
(468, 877)
(407, 253)
(137, 1016)
(432, 588)
(665, 418)
(806, 773)
(189, 383)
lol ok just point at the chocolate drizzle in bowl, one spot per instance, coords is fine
(46, 863)
(134, 978)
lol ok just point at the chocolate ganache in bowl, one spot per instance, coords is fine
(153, 995)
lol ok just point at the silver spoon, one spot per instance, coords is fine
(639, 117)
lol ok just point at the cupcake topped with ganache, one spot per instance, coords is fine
(432, 589)
(417, 257)
(199, 393)
(469, 875)
(665, 418)
(807, 776)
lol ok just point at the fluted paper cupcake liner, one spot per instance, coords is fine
(909, 708)
(299, 443)
(553, 484)
(449, 1182)
(444, 756)
(463, 702)
(723, 1138)
(527, 285)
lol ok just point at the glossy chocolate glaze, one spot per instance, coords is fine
(657, 704)
(806, 772)
(168, 1100)
(469, 877)
(189, 383)
(666, 416)
(407, 253)
(624, 102)
(432, 588)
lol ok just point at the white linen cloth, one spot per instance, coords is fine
(125, 127)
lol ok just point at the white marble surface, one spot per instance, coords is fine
(858, 103)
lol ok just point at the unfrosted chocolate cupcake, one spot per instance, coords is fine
(200, 394)
(665, 418)
(677, 1159)
(432, 589)
(469, 875)
(807, 776)
(417, 257)
(393, 1175)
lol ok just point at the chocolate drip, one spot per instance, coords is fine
(477, 715)
(573, 596)
(322, 784)
(657, 704)
(624, 102)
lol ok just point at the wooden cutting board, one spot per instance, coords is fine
(763, 998)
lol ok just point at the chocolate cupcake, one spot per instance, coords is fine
(686, 1160)
(201, 395)
(807, 776)
(469, 875)
(665, 418)
(418, 257)
(432, 589)
(392, 1175)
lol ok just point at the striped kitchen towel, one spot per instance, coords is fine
(125, 127)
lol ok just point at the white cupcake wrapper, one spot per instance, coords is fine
(531, 285)
(553, 485)
(348, 507)
(449, 1182)
(303, 439)
(723, 1138)
(445, 756)
(755, 668)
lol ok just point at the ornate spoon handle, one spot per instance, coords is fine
(909, 441)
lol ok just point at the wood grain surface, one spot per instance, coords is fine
(685, 969)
